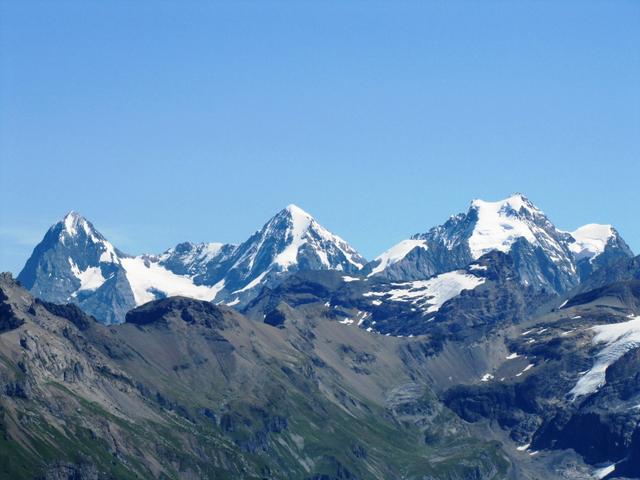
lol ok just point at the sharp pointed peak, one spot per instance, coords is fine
(291, 216)
(73, 221)
(72, 215)
(70, 221)
(294, 209)
(293, 212)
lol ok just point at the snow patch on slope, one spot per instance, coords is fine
(431, 294)
(604, 471)
(253, 283)
(397, 253)
(109, 254)
(348, 279)
(618, 338)
(90, 279)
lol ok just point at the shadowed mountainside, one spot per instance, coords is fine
(186, 389)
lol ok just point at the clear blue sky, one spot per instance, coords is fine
(197, 120)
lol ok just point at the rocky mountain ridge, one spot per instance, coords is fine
(75, 263)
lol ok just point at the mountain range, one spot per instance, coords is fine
(76, 263)
(493, 346)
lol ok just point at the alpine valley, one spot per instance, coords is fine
(493, 346)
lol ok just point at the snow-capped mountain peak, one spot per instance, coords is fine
(594, 245)
(297, 234)
(499, 224)
(293, 240)
(294, 209)
(547, 257)
(75, 231)
(304, 231)
(513, 225)
(74, 262)
(74, 224)
(71, 221)
(514, 203)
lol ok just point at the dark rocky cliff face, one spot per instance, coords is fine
(530, 394)
(621, 269)
(8, 318)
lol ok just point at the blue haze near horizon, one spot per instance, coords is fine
(170, 121)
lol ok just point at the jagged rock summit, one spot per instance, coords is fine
(75, 263)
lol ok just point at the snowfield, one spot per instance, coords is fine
(431, 294)
(618, 339)
(90, 279)
(145, 277)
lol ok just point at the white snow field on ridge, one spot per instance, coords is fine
(145, 277)
(397, 253)
(591, 240)
(430, 295)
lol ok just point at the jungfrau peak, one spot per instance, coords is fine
(546, 256)
(500, 224)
